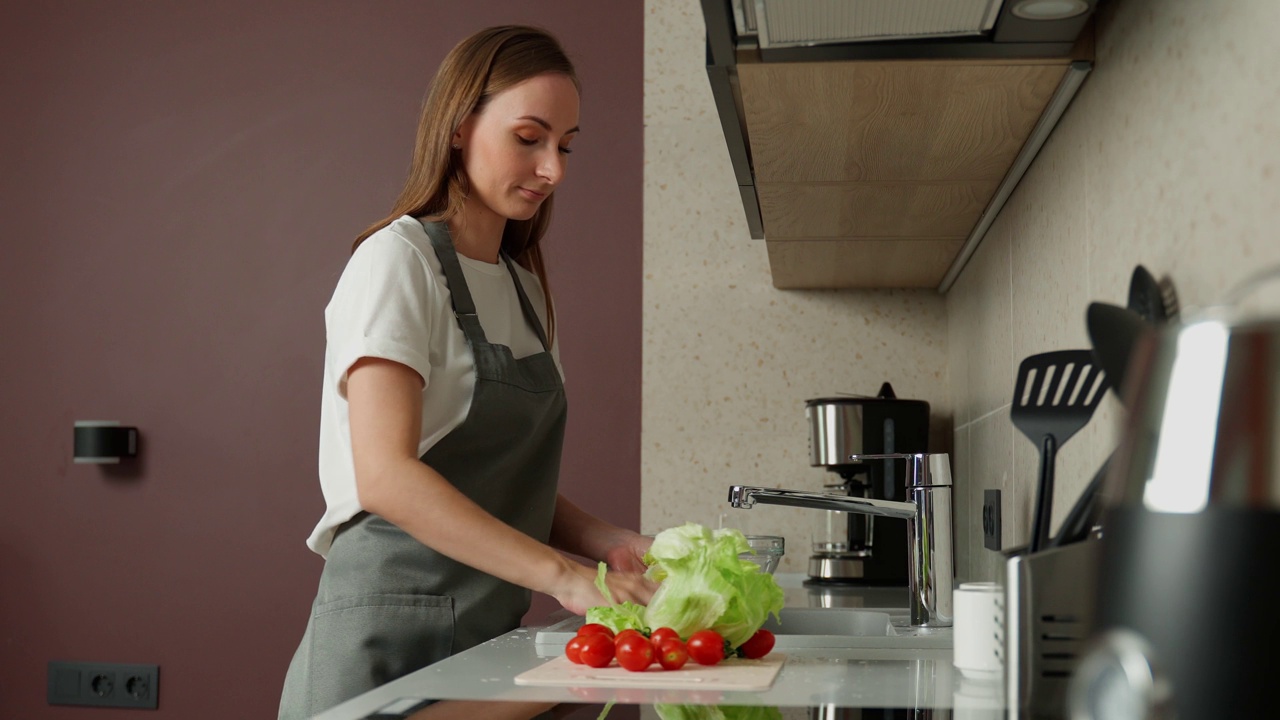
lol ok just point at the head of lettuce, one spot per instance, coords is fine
(704, 584)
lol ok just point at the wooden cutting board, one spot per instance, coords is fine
(731, 674)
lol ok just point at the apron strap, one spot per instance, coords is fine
(464, 308)
(529, 313)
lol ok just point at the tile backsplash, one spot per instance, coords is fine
(1169, 156)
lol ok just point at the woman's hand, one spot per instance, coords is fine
(577, 589)
(628, 554)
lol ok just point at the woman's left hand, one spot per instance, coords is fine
(627, 554)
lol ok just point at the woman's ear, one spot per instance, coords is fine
(459, 139)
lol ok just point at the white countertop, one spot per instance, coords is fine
(860, 677)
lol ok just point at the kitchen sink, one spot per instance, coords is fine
(882, 628)
(802, 627)
(808, 627)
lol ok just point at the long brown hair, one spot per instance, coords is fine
(478, 68)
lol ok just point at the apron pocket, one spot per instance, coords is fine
(370, 640)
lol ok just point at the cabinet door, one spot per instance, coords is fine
(873, 174)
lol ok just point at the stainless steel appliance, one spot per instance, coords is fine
(1049, 612)
(864, 549)
(1185, 619)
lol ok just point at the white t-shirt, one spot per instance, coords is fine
(393, 302)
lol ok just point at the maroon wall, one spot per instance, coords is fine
(181, 183)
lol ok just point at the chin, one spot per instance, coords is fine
(523, 213)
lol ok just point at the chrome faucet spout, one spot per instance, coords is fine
(745, 497)
(928, 516)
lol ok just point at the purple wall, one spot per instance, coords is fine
(181, 184)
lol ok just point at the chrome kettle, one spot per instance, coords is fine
(1204, 416)
(1192, 522)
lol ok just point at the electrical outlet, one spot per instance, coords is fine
(104, 684)
(991, 519)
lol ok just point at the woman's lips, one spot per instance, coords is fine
(532, 195)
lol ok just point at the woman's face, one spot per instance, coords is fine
(515, 151)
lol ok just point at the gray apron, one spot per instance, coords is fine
(388, 605)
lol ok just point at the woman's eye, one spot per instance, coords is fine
(565, 150)
(526, 141)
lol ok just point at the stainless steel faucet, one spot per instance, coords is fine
(928, 516)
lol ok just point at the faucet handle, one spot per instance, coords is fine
(924, 470)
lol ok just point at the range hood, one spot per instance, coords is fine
(791, 23)
(1007, 27)
(865, 107)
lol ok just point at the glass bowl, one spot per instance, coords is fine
(766, 551)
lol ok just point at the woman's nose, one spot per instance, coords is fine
(552, 165)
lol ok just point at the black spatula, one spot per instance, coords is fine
(1055, 395)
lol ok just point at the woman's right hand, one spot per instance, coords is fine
(577, 590)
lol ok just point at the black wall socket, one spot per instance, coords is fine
(991, 519)
(104, 684)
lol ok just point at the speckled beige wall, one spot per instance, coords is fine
(1169, 157)
(728, 359)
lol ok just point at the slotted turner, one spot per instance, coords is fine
(1055, 395)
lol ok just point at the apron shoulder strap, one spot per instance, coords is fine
(464, 308)
(530, 314)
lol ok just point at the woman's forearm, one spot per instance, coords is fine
(420, 501)
(386, 412)
(417, 499)
(577, 531)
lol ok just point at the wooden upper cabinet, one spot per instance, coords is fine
(873, 122)
(875, 173)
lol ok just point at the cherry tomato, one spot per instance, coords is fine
(672, 655)
(758, 646)
(626, 633)
(595, 628)
(572, 650)
(596, 650)
(661, 635)
(706, 647)
(634, 652)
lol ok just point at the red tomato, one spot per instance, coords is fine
(596, 651)
(758, 646)
(572, 650)
(706, 647)
(661, 635)
(672, 655)
(635, 653)
(595, 628)
(626, 633)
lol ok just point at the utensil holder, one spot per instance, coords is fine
(1049, 612)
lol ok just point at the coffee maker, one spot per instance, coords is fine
(860, 549)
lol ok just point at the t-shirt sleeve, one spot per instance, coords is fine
(381, 308)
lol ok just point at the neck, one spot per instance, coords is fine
(477, 233)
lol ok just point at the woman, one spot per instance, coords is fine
(443, 408)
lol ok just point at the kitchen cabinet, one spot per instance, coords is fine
(884, 171)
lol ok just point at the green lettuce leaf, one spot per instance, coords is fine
(717, 712)
(616, 617)
(706, 585)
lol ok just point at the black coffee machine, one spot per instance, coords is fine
(864, 550)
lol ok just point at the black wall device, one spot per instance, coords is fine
(98, 441)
